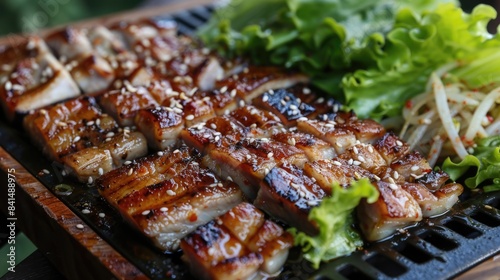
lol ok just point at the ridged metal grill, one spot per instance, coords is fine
(436, 248)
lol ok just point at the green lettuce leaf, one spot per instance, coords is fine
(484, 165)
(417, 45)
(334, 217)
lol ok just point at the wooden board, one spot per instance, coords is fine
(80, 253)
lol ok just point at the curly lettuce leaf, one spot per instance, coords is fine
(316, 36)
(484, 165)
(334, 217)
(401, 63)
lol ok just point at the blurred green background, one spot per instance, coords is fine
(31, 15)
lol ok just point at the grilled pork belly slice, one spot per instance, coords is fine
(123, 104)
(69, 127)
(287, 194)
(391, 148)
(139, 174)
(250, 116)
(223, 101)
(412, 166)
(90, 163)
(367, 157)
(267, 241)
(247, 161)
(168, 223)
(340, 171)
(161, 126)
(214, 253)
(256, 80)
(33, 80)
(91, 71)
(339, 137)
(314, 148)
(436, 203)
(285, 105)
(394, 210)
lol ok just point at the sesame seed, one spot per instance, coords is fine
(171, 192)
(91, 123)
(302, 119)
(337, 163)
(391, 180)
(350, 161)
(223, 89)
(320, 100)
(217, 138)
(293, 107)
(329, 125)
(393, 186)
(399, 143)
(306, 91)
(229, 178)
(355, 150)
(248, 157)
(370, 148)
(242, 103)
(164, 209)
(376, 177)
(291, 141)
(338, 144)
(361, 158)
(266, 171)
(79, 226)
(90, 180)
(146, 212)
(130, 171)
(283, 102)
(356, 175)
(86, 211)
(192, 92)
(414, 168)
(312, 203)
(45, 171)
(127, 162)
(76, 139)
(396, 175)
(265, 98)
(270, 155)
(294, 185)
(356, 162)
(189, 117)
(62, 124)
(219, 185)
(102, 215)
(101, 171)
(213, 126)
(302, 194)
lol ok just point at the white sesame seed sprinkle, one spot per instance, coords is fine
(164, 209)
(130, 171)
(338, 144)
(189, 117)
(355, 150)
(265, 98)
(127, 162)
(229, 178)
(45, 171)
(86, 211)
(356, 162)
(242, 103)
(100, 170)
(302, 119)
(391, 180)
(396, 175)
(171, 192)
(350, 161)
(223, 89)
(76, 139)
(270, 155)
(393, 186)
(376, 177)
(399, 143)
(337, 163)
(146, 212)
(79, 226)
(213, 126)
(102, 215)
(361, 159)
(291, 141)
(370, 148)
(415, 168)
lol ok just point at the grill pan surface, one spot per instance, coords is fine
(436, 248)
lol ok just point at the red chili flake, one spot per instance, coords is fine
(490, 118)
(193, 217)
(409, 104)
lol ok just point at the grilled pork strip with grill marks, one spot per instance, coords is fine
(249, 160)
(138, 174)
(214, 253)
(189, 177)
(123, 104)
(434, 203)
(168, 224)
(88, 164)
(256, 80)
(286, 193)
(161, 126)
(367, 157)
(394, 209)
(314, 148)
(391, 148)
(91, 72)
(338, 170)
(207, 251)
(340, 138)
(31, 78)
(69, 127)
(285, 105)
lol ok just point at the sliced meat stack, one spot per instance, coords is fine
(217, 134)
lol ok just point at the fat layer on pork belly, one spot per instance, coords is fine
(31, 78)
(237, 245)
